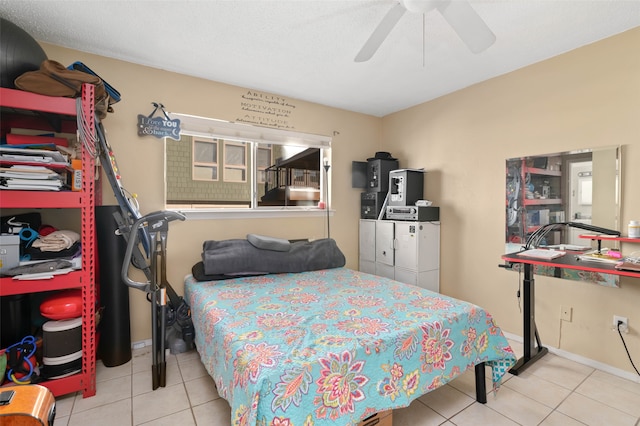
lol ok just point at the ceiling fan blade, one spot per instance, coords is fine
(380, 33)
(469, 26)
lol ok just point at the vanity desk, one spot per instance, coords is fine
(533, 349)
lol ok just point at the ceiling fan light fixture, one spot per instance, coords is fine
(423, 6)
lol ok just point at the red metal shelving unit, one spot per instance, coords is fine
(24, 109)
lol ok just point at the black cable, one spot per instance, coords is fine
(627, 349)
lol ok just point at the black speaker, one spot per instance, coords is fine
(378, 174)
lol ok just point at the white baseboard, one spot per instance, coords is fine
(582, 360)
(141, 344)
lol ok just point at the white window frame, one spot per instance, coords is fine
(253, 135)
(227, 166)
(212, 165)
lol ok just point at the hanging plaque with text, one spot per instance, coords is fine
(160, 127)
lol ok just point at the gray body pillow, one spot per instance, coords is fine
(240, 256)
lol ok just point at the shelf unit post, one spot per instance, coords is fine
(87, 217)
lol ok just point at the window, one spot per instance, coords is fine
(235, 162)
(222, 165)
(263, 161)
(205, 159)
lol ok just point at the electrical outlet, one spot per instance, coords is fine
(624, 327)
(566, 313)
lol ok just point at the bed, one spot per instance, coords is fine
(334, 346)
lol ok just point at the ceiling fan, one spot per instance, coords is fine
(458, 13)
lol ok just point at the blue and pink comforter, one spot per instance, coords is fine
(334, 346)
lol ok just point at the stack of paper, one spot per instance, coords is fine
(27, 156)
(601, 257)
(542, 254)
(33, 178)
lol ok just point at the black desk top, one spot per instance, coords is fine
(570, 261)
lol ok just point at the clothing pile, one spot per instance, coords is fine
(44, 250)
(56, 241)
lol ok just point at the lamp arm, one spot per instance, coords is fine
(539, 233)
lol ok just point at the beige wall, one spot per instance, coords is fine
(141, 162)
(586, 98)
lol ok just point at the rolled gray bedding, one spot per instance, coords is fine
(240, 256)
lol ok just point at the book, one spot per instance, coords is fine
(542, 253)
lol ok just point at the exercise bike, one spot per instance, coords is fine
(146, 238)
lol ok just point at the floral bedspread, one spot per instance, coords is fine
(332, 347)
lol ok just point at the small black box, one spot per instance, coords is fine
(371, 204)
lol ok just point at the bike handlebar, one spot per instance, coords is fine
(153, 220)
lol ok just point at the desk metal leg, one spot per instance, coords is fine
(533, 349)
(481, 385)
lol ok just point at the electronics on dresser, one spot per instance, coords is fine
(371, 204)
(413, 213)
(405, 187)
(378, 169)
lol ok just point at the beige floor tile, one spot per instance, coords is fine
(107, 373)
(61, 421)
(192, 369)
(142, 359)
(612, 394)
(561, 371)
(619, 382)
(106, 392)
(559, 419)
(115, 413)
(447, 401)
(594, 413)
(538, 389)
(416, 414)
(64, 405)
(143, 383)
(466, 382)
(187, 356)
(159, 403)
(480, 415)
(181, 418)
(213, 413)
(201, 390)
(518, 407)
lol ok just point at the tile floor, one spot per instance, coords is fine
(553, 391)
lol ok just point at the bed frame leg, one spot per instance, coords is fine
(481, 387)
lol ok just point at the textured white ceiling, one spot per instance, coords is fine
(304, 49)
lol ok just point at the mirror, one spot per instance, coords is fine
(578, 186)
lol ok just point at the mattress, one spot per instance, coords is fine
(334, 346)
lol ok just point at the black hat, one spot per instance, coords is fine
(382, 155)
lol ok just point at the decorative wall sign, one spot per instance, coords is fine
(160, 127)
(266, 110)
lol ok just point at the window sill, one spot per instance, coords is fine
(227, 213)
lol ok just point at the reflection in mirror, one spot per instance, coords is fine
(580, 186)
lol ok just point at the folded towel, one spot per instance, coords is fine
(57, 240)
